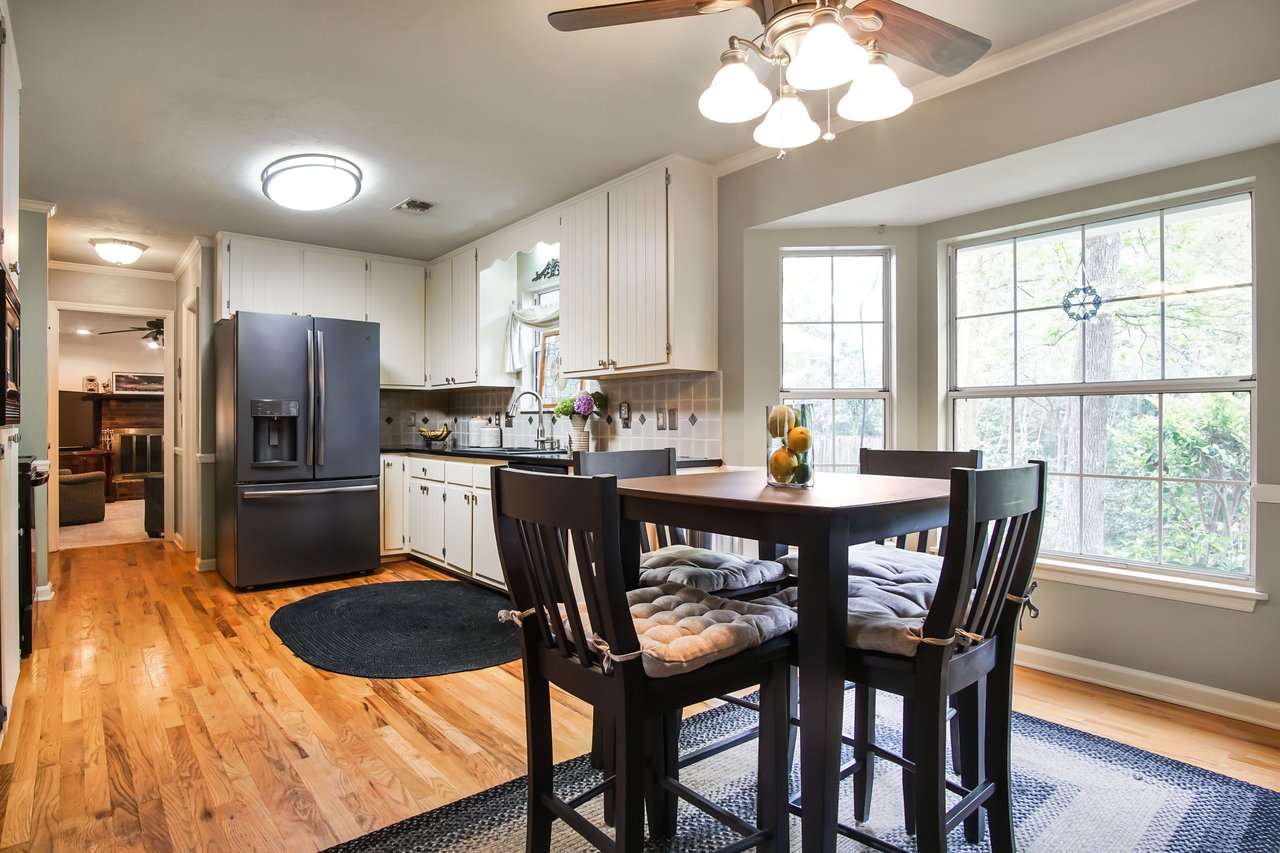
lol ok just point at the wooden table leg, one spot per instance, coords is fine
(824, 567)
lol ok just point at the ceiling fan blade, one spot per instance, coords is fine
(124, 331)
(923, 39)
(638, 11)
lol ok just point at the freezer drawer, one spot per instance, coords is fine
(289, 532)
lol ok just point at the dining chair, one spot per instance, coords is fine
(680, 555)
(932, 464)
(640, 656)
(962, 644)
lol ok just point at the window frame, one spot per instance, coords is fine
(885, 392)
(1083, 389)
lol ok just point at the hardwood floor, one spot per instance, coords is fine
(159, 712)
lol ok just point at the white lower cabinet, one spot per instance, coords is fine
(446, 515)
(393, 505)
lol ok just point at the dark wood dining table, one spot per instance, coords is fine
(823, 521)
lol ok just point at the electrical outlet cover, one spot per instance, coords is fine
(673, 423)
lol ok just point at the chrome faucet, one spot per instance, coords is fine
(542, 442)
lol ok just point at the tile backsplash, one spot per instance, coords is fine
(696, 398)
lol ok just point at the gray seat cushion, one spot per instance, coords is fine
(707, 570)
(886, 562)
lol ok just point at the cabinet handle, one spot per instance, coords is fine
(613, 363)
(600, 362)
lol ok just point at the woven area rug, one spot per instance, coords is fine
(399, 629)
(1075, 793)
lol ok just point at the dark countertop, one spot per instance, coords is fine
(530, 455)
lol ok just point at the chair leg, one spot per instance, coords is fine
(629, 783)
(955, 738)
(538, 750)
(793, 732)
(928, 722)
(864, 734)
(598, 746)
(773, 790)
(908, 778)
(664, 762)
(971, 714)
(999, 807)
(608, 761)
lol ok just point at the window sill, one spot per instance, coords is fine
(1136, 582)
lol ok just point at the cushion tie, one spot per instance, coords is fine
(961, 636)
(516, 616)
(1025, 602)
(607, 656)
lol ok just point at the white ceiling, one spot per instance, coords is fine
(69, 321)
(151, 120)
(1234, 122)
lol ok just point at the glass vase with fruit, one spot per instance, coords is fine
(790, 446)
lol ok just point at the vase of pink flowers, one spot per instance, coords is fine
(578, 408)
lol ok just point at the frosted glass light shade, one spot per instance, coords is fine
(787, 124)
(876, 93)
(828, 56)
(311, 181)
(122, 252)
(735, 94)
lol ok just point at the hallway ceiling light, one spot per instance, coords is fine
(311, 181)
(120, 252)
(84, 331)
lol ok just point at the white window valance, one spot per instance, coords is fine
(537, 317)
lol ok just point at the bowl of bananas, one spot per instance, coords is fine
(437, 434)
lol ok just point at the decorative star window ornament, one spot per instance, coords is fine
(1082, 303)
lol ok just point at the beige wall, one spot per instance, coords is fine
(81, 356)
(108, 289)
(1130, 74)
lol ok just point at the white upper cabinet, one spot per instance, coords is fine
(278, 277)
(260, 275)
(397, 303)
(467, 313)
(638, 274)
(440, 329)
(465, 369)
(334, 284)
(584, 284)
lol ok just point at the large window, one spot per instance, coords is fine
(1121, 352)
(835, 352)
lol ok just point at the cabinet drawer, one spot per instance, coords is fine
(460, 473)
(426, 469)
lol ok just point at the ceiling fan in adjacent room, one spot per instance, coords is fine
(818, 45)
(153, 333)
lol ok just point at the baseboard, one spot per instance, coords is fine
(206, 565)
(181, 543)
(44, 592)
(1237, 706)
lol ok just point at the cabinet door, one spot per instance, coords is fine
(432, 530)
(10, 651)
(440, 324)
(334, 284)
(393, 510)
(397, 302)
(485, 562)
(457, 528)
(584, 284)
(415, 515)
(464, 369)
(638, 270)
(264, 275)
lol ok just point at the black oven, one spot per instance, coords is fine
(12, 352)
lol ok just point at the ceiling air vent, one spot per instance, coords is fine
(414, 206)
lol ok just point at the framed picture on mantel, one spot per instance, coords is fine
(137, 383)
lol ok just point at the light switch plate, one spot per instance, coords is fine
(673, 423)
(662, 420)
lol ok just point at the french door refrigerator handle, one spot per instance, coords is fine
(323, 397)
(311, 395)
(281, 493)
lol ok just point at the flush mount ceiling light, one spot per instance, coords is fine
(311, 181)
(122, 252)
(818, 45)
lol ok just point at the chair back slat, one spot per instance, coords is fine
(995, 521)
(553, 531)
(932, 464)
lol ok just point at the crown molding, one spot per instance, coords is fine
(1068, 37)
(96, 269)
(197, 243)
(48, 208)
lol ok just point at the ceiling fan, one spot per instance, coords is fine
(819, 44)
(153, 332)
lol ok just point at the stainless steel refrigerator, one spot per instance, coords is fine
(296, 470)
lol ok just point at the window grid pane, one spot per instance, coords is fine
(832, 318)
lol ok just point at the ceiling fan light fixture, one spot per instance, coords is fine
(120, 252)
(876, 93)
(84, 331)
(311, 181)
(787, 124)
(828, 56)
(735, 94)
